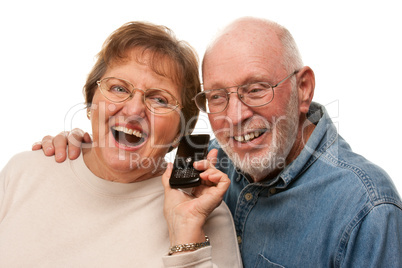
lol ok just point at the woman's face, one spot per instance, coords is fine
(130, 142)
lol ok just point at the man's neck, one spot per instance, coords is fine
(306, 128)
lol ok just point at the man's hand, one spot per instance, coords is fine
(57, 145)
(186, 213)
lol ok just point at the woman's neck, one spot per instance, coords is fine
(133, 174)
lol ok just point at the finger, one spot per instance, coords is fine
(47, 145)
(223, 185)
(87, 138)
(166, 176)
(37, 146)
(212, 177)
(218, 187)
(73, 152)
(75, 137)
(213, 156)
(60, 145)
(207, 163)
(219, 178)
(203, 165)
(75, 140)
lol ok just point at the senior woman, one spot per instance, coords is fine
(106, 209)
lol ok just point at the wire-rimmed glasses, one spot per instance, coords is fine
(118, 90)
(254, 95)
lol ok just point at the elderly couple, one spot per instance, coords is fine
(295, 194)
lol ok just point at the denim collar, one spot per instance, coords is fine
(323, 136)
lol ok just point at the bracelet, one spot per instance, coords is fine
(189, 247)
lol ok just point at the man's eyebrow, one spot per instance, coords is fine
(248, 80)
(256, 79)
(213, 86)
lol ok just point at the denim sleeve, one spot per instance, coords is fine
(376, 239)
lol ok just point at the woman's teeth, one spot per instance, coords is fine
(128, 131)
(248, 136)
(127, 136)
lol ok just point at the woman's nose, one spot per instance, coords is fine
(135, 105)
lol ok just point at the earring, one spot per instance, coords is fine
(176, 141)
(89, 114)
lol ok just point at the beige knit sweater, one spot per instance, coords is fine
(62, 215)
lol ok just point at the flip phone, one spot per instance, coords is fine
(191, 148)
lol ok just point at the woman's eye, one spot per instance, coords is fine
(156, 98)
(159, 100)
(118, 89)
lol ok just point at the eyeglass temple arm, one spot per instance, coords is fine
(290, 75)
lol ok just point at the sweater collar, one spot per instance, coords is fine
(114, 189)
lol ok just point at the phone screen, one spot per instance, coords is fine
(191, 148)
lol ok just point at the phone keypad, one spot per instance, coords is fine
(186, 173)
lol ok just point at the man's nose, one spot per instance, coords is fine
(236, 110)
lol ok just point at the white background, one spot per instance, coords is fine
(47, 48)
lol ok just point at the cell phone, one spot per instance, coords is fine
(191, 148)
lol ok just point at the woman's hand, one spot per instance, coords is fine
(57, 145)
(186, 213)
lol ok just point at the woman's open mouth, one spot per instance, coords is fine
(127, 137)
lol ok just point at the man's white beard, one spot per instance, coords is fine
(284, 133)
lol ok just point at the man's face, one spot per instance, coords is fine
(257, 139)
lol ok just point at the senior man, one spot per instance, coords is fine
(299, 196)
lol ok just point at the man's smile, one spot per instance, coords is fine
(249, 136)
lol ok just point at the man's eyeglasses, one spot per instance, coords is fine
(118, 90)
(254, 95)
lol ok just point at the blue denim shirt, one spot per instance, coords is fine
(329, 208)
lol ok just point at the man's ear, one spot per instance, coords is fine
(305, 87)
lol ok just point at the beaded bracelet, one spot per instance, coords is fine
(189, 247)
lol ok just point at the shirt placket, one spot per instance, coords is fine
(247, 200)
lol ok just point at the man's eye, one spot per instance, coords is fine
(257, 89)
(216, 96)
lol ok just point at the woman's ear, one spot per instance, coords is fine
(89, 113)
(176, 141)
(305, 86)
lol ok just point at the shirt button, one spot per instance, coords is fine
(239, 239)
(272, 191)
(248, 196)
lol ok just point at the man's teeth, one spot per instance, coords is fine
(248, 136)
(128, 131)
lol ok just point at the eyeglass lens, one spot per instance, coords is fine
(216, 100)
(156, 100)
